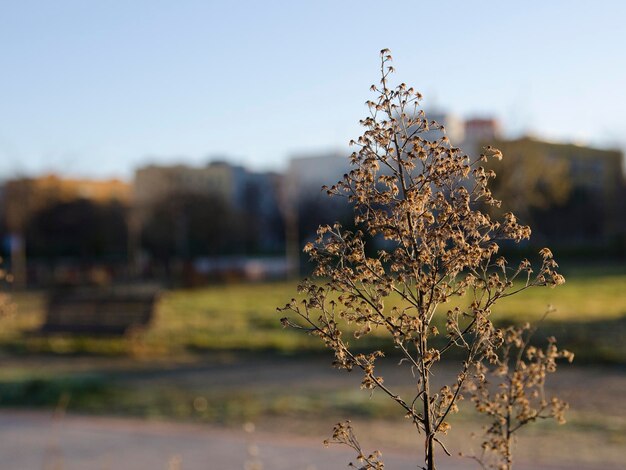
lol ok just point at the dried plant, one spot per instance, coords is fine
(343, 434)
(422, 204)
(515, 395)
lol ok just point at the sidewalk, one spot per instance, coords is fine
(36, 440)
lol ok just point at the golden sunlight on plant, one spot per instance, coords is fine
(518, 396)
(425, 235)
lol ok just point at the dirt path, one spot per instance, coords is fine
(37, 440)
(34, 440)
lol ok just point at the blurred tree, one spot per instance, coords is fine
(571, 194)
(580, 221)
(262, 223)
(189, 224)
(529, 179)
(315, 211)
(77, 229)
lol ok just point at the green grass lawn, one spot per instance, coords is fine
(590, 318)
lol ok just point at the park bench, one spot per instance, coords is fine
(110, 310)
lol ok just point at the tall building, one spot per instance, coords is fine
(154, 183)
(306, 174)
(479, 132)
(452, 124)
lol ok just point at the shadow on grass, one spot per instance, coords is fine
(591, 341)
(598, 341)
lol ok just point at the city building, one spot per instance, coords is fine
(307, 173)
(453, 125)
(153, 183)
(479, 132)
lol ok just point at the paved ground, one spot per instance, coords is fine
(34, 440)
(37, 440)
(594, 438)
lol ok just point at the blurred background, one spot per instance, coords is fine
(160, 172)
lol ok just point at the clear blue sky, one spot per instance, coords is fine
(98, 88)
